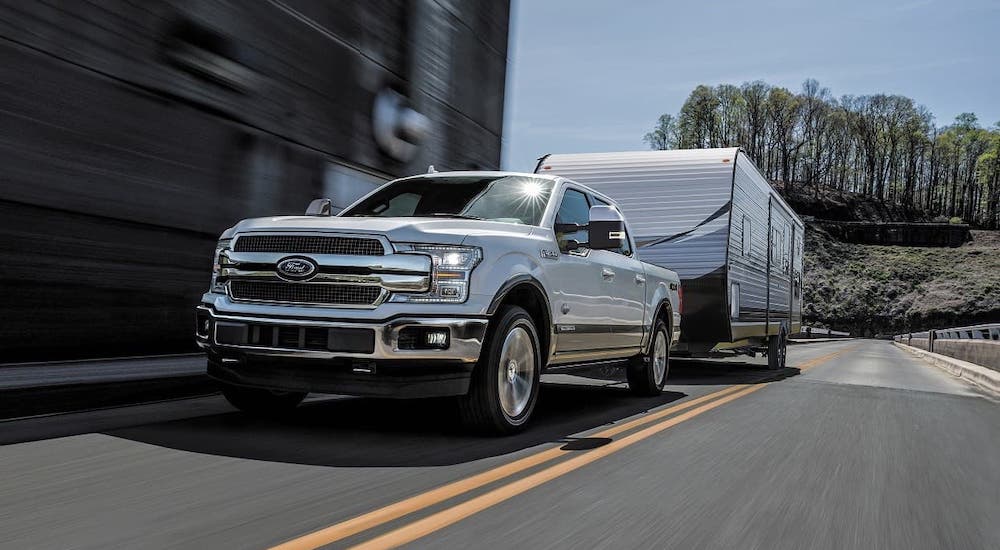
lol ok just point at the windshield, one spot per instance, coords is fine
(511, 199)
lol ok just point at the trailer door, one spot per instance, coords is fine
(792, 286)
(796, 320)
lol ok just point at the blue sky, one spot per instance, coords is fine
(593, 75)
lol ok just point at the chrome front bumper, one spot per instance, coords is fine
(466, 337)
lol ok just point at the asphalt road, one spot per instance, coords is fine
(856, 445)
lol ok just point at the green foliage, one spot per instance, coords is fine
(884, 146)
(665, 135)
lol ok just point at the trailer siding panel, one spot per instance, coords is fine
(680, 198)
(748, 269)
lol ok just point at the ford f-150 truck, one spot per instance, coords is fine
(465, 284)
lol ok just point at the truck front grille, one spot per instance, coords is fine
(304, 293)
(309, 244)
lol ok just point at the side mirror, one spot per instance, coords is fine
(319, 207)
(571, 245)
(607, 228)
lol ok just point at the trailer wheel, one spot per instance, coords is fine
(777, 347)
(648, 372)
(262, 402)
(505, 381)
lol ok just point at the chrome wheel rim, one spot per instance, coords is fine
(659, 358)
(516, 374)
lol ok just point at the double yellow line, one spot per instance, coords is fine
(456, 513)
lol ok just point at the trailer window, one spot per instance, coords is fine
(780, 250)
(784, 251)
(734, 300)
(772, 252)
(746, 241)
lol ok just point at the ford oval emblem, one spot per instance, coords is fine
(296, 268)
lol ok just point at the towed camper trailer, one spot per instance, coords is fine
(711, 216)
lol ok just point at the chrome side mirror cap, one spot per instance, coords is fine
(607, 228)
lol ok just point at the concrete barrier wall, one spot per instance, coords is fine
(918, 342)
(980, 352)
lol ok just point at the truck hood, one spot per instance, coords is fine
(417, 230)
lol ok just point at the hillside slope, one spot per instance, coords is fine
(870, 290)
(890, 289)
(828, 204)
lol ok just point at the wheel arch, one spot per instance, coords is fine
(527, 292)
(665, 311)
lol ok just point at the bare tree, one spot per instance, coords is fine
(885, 146)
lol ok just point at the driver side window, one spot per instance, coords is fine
(574, 208)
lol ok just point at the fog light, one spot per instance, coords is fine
(449, 291)
(436, 338)
(204, 325)
(423, 338)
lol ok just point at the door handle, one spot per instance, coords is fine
(607, 274)
(639, 279)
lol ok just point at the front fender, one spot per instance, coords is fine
(495, 271)
(512, 270)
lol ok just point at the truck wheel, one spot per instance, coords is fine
(261, 402)
(648, 372)
(777, 347)
(505, 381)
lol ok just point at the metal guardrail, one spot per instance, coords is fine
(816, 332)
(975, 332)
(978, 344)
(959, 342)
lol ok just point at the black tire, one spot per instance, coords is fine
(644, 378)
(261, 402)
(483, 409)
(777, 348)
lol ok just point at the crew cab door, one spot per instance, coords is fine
(577, 285)
(624, 293)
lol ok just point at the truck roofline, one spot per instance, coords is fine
(492, 173)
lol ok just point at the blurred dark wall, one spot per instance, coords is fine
(133, 133)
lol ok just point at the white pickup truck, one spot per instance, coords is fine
(465, 284)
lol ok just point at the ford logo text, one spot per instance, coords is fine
(296, 268)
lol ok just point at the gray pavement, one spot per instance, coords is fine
(869, 449)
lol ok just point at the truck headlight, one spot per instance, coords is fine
(218, 286)
(453, 266)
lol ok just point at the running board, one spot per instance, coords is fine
(555, 369)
